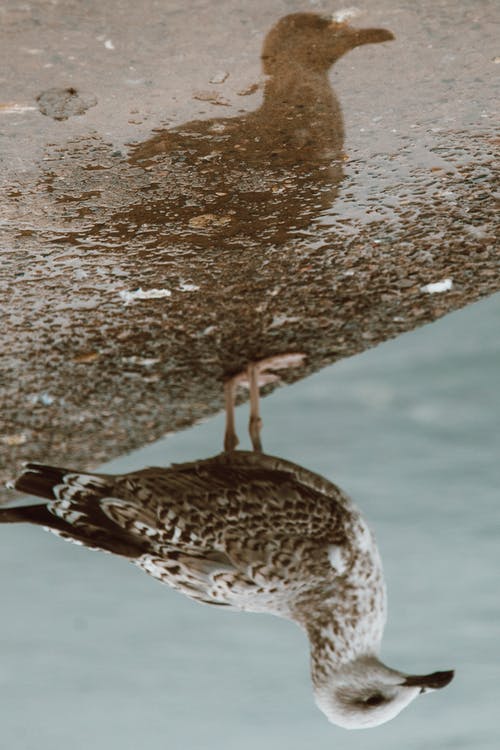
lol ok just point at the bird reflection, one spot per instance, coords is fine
(252, 532)
(262, 176)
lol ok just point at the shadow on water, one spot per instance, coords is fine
(265, 175)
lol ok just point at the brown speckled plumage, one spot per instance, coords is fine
(241, 529)
(252, 532)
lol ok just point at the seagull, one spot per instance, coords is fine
(266, 174)
(251, 532)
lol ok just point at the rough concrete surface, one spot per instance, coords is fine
(173, 206)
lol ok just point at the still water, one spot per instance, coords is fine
(96, 654)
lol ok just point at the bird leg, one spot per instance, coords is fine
(255, 423)
(230, 436)
(257, 374)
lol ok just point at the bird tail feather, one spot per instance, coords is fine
(37, 514)
(94, 528)
(41, 479)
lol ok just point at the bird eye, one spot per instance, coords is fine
(375, 700)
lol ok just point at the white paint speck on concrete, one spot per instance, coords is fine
(140, 294)
(438, 286)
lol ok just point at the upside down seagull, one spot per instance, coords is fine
(255, 533)
(265, 174)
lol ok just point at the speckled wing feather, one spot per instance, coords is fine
(204, 504)
(235, 529)
(243, 529)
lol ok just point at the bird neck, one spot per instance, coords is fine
(301, 97)
(337, 642)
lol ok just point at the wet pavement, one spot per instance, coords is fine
(174, 206)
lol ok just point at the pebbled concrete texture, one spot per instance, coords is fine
(262, 207)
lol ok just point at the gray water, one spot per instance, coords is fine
(96, 654)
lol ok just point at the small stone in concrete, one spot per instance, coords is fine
(60, 103)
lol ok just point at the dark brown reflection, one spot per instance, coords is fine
(266, 174)
(250, 532)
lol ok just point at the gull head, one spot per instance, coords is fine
(365, 693)
(313, 42)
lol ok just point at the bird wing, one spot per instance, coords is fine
(220, 529)
(246, 496)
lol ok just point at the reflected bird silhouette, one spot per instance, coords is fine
(255, 533)
(263, 175)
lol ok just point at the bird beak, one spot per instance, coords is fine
(370, 36)
(426, 683)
